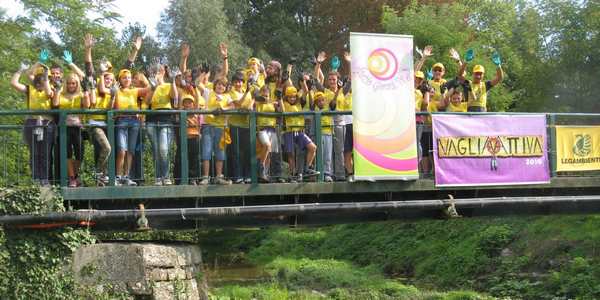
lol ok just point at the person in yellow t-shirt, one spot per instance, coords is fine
(71, 98)
(128, 125)
(422, 92)
(213, 130)
(326, 133)
(294, 136)
(268, 140)
(239, 166)
(255, 72)
(38, 130)
(160, 126)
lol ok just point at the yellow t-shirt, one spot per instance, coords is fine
(102, 102)
(478, 95)
(326, 121)
(418, 100)
(459, 107)
(161, 98)
(215, 101)
(293, 123)
(66, 103)
(263, 121)
(38, 99)
(240, 120)
(127, 99)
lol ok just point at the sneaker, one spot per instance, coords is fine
(292, 179)
(350, 178)
(300, 178)
(118, 180)
(328, 178)
(127, 181)
(158, 181)
(239, 181)
(248, 180)
(311, 172)
(263, 179)
(72, 183)
(222, 181)
(280, 180)
(167, 181)
(101, 177)
(204, 181)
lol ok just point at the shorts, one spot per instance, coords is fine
(127, 133)
(211, 140)
(348, 142)
(295, 138)
(476, 109)
(427, 143)
(269, 136)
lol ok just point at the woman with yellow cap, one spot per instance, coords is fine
(38, 130)
(128, 124)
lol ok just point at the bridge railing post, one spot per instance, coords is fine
(62, 145)
(184, 147)
(110, 130)
(552, 143)
(253, 163)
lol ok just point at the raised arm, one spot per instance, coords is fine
(318, 73)
(135, 48)
(68, 58)
(499, 76)
(225, 70)
(15, 83)
(185, 53)
(461, 65)
(427, 52)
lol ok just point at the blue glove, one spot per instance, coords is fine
(68, 57)
(44, 55)
(335, 63)
(429, 74)
(469, 55)
(496, 59)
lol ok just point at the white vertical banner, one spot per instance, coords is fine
(383, 107)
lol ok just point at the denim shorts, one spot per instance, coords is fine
(211, 138)
(128, 129)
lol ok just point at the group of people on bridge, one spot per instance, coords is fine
(141, 101)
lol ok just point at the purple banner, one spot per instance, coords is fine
(490, 150)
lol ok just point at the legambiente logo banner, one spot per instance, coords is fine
(490, 150)
(577, 148)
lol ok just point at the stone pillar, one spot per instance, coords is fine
(150, 270)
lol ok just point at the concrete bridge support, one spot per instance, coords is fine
(142, 270)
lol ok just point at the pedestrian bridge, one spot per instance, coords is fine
(284, 204)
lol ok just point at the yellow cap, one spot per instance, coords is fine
(188, 97)
(319, 95)
(253, 60)
(124, 72)
(290, 91)
(438, 65)
(38, 71)
(419, 74)
(478, 69)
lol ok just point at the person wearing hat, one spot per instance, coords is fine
(38, 130)
(254, 72)
(422, 93)
(268, 140)
(241, 94)
(326, 133)
(194, 124)
(276, 84)
(476, 90)
(294, 135)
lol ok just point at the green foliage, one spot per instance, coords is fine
(494, 238)
(33, 260)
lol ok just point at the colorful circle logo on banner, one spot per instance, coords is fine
(382, 64)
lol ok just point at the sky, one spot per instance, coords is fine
(146, 12)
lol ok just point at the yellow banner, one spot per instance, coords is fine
(577, 148)
(490, 146)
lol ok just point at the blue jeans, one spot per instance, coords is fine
(128, 129)
(161, 136)
(211, 138)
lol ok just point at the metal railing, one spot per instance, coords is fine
(13, 154)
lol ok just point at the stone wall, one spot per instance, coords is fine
(148, 270)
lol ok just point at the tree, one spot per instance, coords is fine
(202, 24)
